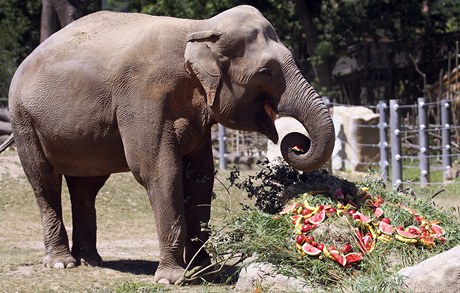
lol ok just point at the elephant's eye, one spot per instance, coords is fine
(265, 71)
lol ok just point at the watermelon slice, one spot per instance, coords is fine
(427, 242)
(358, 216)
(414, 230)
(438, 230)
(406, 234)
(318, 218)
(368, 243)
(353, 257)
(386, 228)
(288, 208)
(378, 212)
(310, 249)
(338, 257)
(412, 211)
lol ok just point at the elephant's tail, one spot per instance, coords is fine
(9, 141)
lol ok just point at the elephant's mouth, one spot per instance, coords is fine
(271, 114)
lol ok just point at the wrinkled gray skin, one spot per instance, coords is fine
(116, 92)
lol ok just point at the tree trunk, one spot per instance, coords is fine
(323, 71)
(49, 22)
(59, 13)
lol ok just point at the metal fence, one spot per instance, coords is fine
(423, 132)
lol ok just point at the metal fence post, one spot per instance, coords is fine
(423, 143)
(445, 129)
(396, 160)
(222, 147)
(383, 144)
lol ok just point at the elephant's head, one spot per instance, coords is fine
(249, 77)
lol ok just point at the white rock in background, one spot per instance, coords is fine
(284, 125)
(349, 152)
(440, 273)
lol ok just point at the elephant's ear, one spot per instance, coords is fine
(202, 61)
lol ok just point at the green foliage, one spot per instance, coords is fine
(19, 20)
(270, 185)
(344, 23)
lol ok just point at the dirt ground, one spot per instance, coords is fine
(127, 239)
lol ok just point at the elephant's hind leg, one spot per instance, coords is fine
(46, 185)
(83, 191)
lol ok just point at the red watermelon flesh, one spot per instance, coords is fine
(338, 257)
(406, 234)
(438, 230)
(368, 242)
(386, 228)
(353, 257)
(378, 212)
(288, 208)
(362, 217)
(310, 249)
(318, 218)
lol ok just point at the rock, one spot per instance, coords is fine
(357, 138)
(4, 115)
(5, 128)
(264, 275)
(3, 138)
(440, 273)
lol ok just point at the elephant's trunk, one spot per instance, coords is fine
(301, 102)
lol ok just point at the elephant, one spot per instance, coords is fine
(129, 92)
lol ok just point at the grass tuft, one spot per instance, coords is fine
(141, 287)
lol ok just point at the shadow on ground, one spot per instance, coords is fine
(227, 274)
(133, 266)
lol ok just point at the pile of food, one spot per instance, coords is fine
(340, 229)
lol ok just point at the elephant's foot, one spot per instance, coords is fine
(88, 258)
(168, 275)
(65, 261)
(93, 260)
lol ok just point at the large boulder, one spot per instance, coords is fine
(440, 273)
(357, 138)
(265, 275)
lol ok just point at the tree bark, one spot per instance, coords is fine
(49, 22)
(59, 13)
(323, 71)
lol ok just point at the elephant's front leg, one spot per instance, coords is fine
(165, 190)
(198, 185)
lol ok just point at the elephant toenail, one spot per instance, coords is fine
(58, 265)
(164, 281)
